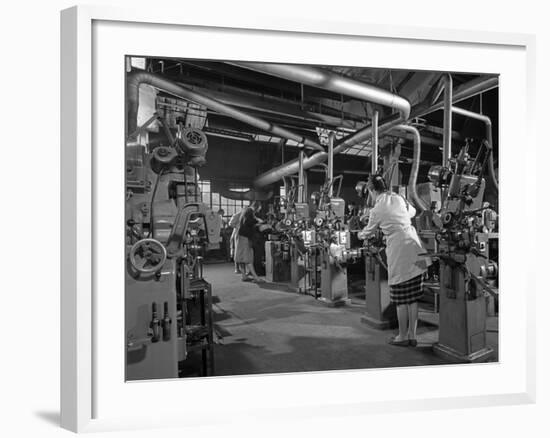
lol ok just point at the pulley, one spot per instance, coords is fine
(439, 176)
(147, 256)
(163, 157)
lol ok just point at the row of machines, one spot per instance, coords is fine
(310, 250)
(310, 246)
(460, 232)
(168, 303)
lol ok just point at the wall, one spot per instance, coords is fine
(30, 219)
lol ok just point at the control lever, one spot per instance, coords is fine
(166, 324)
(155, 325)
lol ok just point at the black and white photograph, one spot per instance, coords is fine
(292, 219)
(285, 218)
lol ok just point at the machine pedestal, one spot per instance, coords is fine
(462, 317)
(377, 323)
(148, 358)
(277, 269)
(380, 313)
(334, 283)
(335, 303)
(297, 269)
(447, 353)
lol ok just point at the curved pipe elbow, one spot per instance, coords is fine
(413, 193)
(336, 83)
(488, 136)
(136, 78)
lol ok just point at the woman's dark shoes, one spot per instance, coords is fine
(413, 342)
(403, 343)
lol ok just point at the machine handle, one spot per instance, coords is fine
(137, 344)
(166, 324)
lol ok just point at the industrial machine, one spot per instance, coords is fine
(168, 229)
(277, 261)
(284, 250)
(168, 303)
(333, 242)
(312, 248)
(466, 227)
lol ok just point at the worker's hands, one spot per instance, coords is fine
(362, 235)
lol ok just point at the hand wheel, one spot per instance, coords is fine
(147, 256)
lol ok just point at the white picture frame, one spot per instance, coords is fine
(81, 212)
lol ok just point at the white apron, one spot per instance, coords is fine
(393, 216)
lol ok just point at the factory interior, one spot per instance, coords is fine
(307, 154)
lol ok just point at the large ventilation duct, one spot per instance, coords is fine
(136, 78)
(488, 136)
(464, 91)
(337, 84)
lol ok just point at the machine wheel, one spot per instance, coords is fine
(147, 256)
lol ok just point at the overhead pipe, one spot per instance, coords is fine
(136, 78)
(285, 185)
(287, 169)
(374, 143)
(407, 136)
(464, 91)
(336, 83)
(413, 193)
(488, 137)
(447, 118)
(330, 174)
(249, 195)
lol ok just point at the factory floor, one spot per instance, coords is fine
(264, 328)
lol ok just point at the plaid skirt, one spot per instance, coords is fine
(407, 292)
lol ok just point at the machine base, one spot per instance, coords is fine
(380, 324)
(448, 353)
(335, 303)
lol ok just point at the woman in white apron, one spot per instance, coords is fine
(392, 214)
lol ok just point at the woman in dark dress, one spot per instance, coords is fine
(244, 252)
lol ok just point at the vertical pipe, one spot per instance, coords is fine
(305, 185)
(330, 161)
(447, 119)
(374, 143)
(301, 175)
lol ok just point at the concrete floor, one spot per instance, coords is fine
(264, 328)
